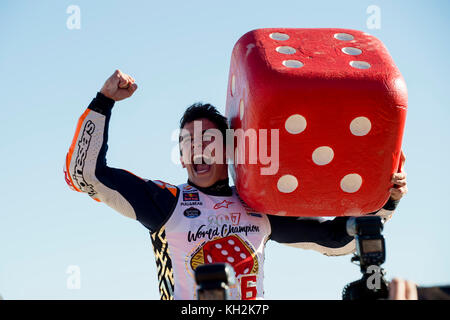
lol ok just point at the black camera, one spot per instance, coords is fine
(370, 254)
(213, 281)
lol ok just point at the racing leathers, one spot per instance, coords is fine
(190, 225)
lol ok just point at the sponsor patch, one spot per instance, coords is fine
(191, 213)
(191, 203)
(223, 204)
(191, 196)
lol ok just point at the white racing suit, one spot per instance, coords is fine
(190, 226)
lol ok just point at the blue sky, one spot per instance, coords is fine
(179, 53)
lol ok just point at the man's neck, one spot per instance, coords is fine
(220, 188)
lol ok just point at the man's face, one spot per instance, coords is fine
(205, 165)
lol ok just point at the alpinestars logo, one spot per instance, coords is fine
(83, 147)
(223, 204)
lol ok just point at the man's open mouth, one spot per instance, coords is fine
(200, 164)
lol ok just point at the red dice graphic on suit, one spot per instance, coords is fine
(339, 104)
(232, 250)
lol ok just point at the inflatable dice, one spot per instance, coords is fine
(323, 112)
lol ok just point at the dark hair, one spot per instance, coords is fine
(199, 110)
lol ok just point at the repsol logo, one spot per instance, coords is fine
(83, 147)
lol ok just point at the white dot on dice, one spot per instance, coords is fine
(351, 51)
(209, 258)
(231, 242)
(230, 259)
(343, 36)
(279, 36)
(351, 183)
(237, 249)
(243, 256)
(218, 246)
(241, 109)
(295, 124)
(292, 64)
(360, 126)
(322, 155)
(360, 64)
(286, 50)
(224, 252)
(287, 183)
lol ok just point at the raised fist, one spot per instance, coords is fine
(119, 86)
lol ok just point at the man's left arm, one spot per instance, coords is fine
(329, 237)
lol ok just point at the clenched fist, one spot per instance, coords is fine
(119, 86)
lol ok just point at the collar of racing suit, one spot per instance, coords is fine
(220, 188)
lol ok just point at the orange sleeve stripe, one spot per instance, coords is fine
(72, 146)
(168, 186)
(133, 174)
(173, 190)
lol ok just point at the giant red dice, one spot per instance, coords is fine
(338, 103)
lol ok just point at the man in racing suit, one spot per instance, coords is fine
(199, 222)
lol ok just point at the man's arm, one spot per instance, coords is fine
(150, 202)
(328, 237)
